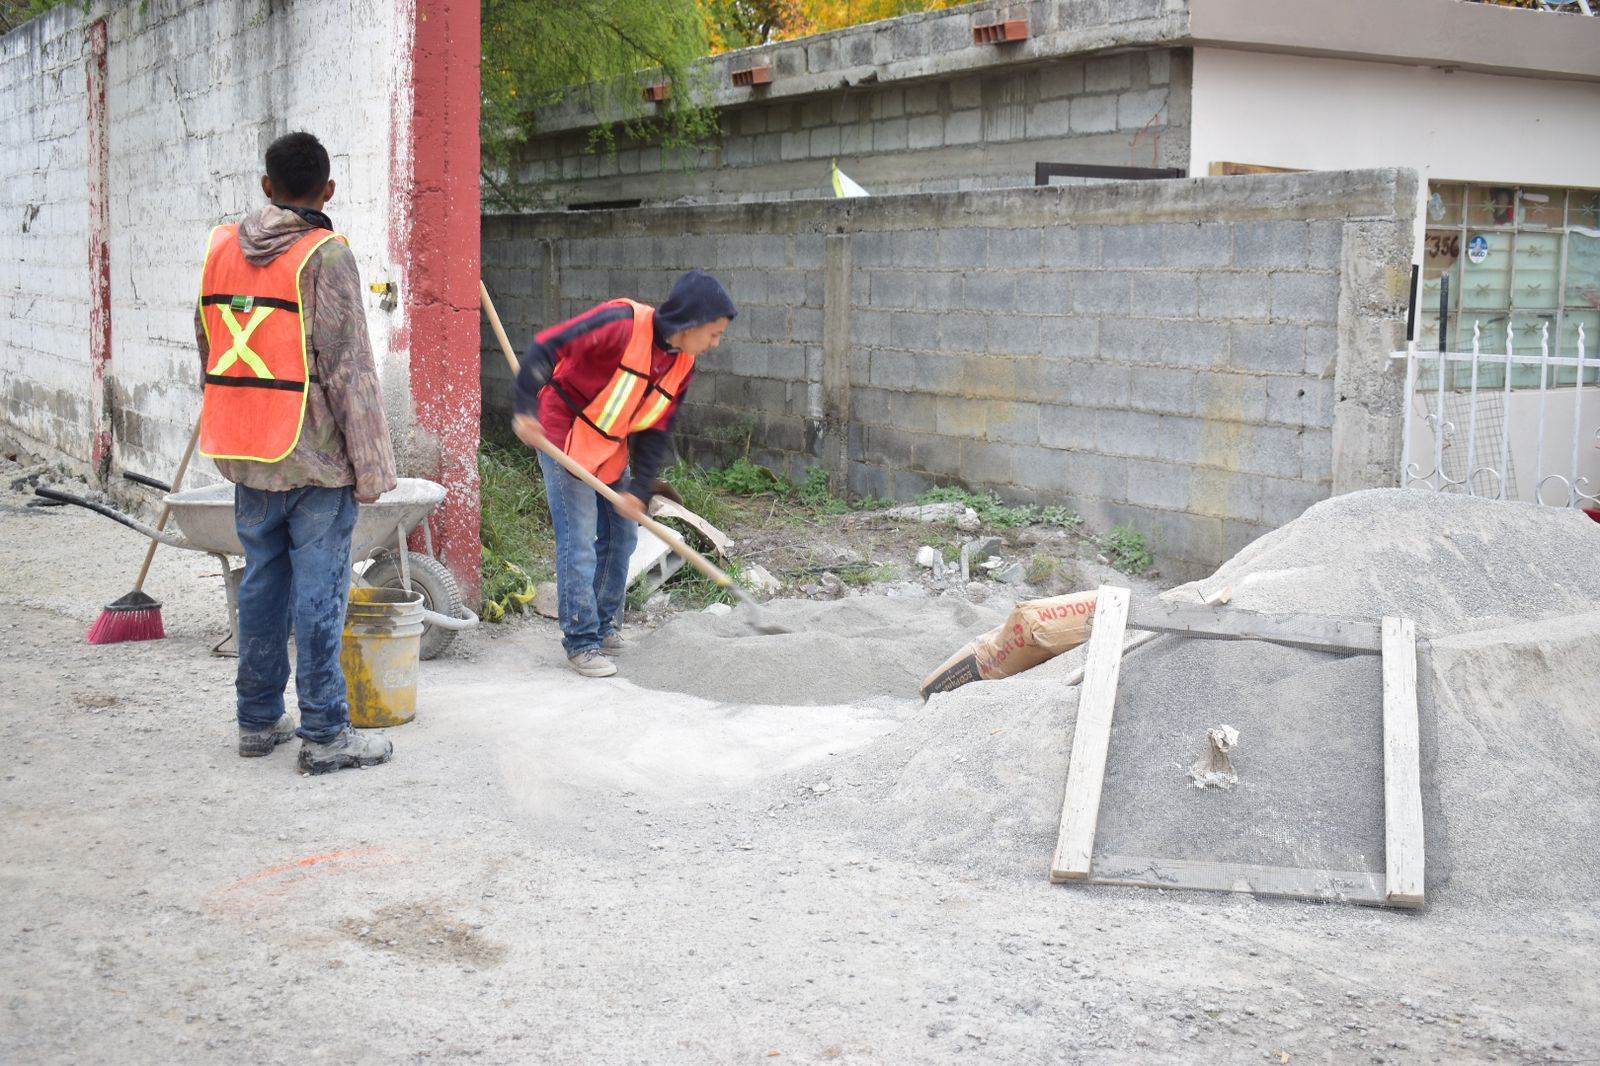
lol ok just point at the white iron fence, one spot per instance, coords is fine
(1470, 417)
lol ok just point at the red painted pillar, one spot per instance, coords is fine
(434, 224)
(99, 255)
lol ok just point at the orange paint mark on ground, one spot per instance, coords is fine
(271, 884)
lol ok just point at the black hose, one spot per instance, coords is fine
(145, 479)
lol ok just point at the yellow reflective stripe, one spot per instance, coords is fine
(650, 418)
(241, 342)
(618, 400)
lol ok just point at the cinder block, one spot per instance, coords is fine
(1325, 245)
(963, 127)
(914, 331)
(1280, 245)
(1234, 295)
(1061, 77)
(1050, 118)
(1165, 294)
(1228, 494)
(986, 291)
(966, 93)
(916, 247)
(888, 103)
(1231, 397)
(1322, 351)
(926, 131)
(1282, 500)
(1072, 246)
(1316, 455)
(963, 332)
(1012, 334)
(960, 416)
(1132, 246)
(795, 145)
(1197, 244)
(1267, 450)
(1158, 62)
(1091, 385)
(1100, 292)
(1069, 336)
(868, 329)
(1309, 298)
(1094, 114)
(1158, 485)
(1042, 293)
(987, 463)
(1014, 423)
(889, 135)
(768, 149)
(1108, 73)
(1276, 348)
(1087, 475)
(1141, 109)
(963, 246)
(1011, 249)
(1163, 391)
(922, 99)
(826, 142)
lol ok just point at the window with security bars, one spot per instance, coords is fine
(1522, 256)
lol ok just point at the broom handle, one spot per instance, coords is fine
(166, 508)
(675, 542)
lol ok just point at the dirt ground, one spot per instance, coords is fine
(561, 870)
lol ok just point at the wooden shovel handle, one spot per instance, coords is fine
(166, 508)
(673, 541)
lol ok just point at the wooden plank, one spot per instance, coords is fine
(1141, 638)
(1080, 810)
(1402, 767)
(1225, 623)
(1229, 169)
(1345, 886)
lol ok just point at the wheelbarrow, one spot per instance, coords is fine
(205, 522)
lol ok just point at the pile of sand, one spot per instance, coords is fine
(1506, 599)
(836, 651)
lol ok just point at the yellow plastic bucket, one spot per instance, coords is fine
(382, 637)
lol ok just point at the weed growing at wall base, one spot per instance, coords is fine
(1128, 549)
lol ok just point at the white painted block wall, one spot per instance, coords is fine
(196, 90)
(44, 234)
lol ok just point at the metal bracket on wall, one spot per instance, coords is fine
(1043, 172)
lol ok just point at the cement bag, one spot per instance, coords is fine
(1035, 630)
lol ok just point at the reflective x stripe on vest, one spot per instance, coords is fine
(241, 341)
(258, 362)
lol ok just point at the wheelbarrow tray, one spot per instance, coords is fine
(205, 517)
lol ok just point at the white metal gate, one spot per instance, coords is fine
(1467, 412)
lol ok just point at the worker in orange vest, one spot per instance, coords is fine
(605, 386)
(293, 417)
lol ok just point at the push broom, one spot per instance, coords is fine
(137, 616)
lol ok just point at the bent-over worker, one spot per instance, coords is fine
(599, 385)
(293, 418)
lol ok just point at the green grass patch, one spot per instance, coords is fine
(991, 512)
(1128, 549)
(519, 548)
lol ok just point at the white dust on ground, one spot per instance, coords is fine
(1501, 593)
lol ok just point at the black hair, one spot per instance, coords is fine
(297, 164)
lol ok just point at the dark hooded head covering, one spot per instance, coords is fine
(696, 299)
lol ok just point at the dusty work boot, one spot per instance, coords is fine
(349, 748)
(592, 663)
(254, 743)
(613, 643)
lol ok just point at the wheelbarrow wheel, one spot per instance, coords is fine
(439, 593)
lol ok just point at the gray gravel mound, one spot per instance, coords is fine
(838, 651)
(1510, 726)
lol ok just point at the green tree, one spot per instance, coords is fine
(536, 52)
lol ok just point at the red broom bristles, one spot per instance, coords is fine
(133, 617)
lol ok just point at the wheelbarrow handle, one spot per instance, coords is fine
(113, 514)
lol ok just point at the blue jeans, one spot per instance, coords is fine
(593, 545)
(296, 565)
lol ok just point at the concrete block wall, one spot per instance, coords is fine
(44, 244)
(960, 132)
(1202, 359)
(194, 92)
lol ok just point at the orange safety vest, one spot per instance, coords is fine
(628, 404)
(257, 361)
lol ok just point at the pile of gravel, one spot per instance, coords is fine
(837, 651)
(1504, 597)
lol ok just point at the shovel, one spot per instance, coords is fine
(753, 616)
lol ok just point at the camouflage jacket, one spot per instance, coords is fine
(345, 437)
